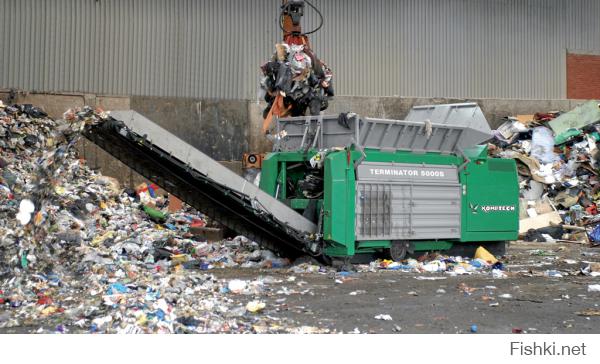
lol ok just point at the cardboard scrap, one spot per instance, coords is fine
(540, 221)
(525, 119)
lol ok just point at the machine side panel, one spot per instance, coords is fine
(404, 211)
(338, 210)
(403, 201)
(268, 174)
(491, 201)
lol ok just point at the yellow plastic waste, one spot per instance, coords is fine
(142, 320)
(49, 310)
(100, 238)
(255, 306)
(482, 253)
(178, 269)
(60, 190)
(179, 258)
(39, 217)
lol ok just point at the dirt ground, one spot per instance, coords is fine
(537, 304)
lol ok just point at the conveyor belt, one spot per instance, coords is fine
(203, 183)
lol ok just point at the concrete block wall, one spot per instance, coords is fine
(398, 107)
(225, 129)
(218, 128)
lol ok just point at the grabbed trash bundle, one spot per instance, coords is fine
(294, 81)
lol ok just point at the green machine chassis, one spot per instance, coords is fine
(489, 203)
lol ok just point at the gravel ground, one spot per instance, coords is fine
(537, 304)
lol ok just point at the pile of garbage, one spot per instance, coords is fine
(79, 253)
(557, 157)
(52, 202)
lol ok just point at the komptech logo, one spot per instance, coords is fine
(491, 208)
(473, 208)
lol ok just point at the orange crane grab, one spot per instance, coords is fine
(291, 13)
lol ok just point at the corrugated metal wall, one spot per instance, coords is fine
(213, 48)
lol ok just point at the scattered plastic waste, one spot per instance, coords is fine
(483, 254)
(438, 263)
(497, 273)
(383, 317)
(26, 208)
(553, 274)
(255, 306)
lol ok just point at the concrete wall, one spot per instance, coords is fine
(398, 107)
(225, 129)
(218, 128)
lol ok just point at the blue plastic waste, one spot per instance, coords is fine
(152, 295)
(116, 288)
(595, 234)
(498, 265)
(476, 264)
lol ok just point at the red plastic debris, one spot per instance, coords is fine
(44, 300)
(592, 209)
(198, 223)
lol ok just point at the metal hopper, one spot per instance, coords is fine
(432, 128)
